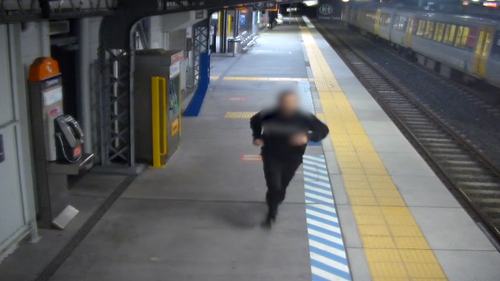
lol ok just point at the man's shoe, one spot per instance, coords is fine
(269, 222)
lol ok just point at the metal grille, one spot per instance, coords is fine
(200, 47)
(95, 107)
(116, 125)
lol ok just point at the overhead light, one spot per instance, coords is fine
(310, 3)
(493, 5)
(345, 0)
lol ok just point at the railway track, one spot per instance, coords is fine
(471, 177)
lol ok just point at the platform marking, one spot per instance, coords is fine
(326, 247)
(251, 158)
(394, 246)
(237, 99)
(247, 114)
(275, 79)
(239, 115)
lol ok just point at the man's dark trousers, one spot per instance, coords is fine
(278, 171)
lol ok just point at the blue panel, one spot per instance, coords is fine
(194, 106)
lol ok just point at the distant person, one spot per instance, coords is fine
(283, 133)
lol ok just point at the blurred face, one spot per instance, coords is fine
(289, 103)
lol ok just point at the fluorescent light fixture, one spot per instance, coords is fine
(493, 5)
(345, 0)
(310, 3)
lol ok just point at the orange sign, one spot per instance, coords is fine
(43, 68)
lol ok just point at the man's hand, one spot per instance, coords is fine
(258, 142)
(300, 139)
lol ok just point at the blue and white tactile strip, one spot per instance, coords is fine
(306, 103)
(326, 246)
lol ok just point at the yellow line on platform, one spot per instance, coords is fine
(239, 115)
(393, 243)
(243, 114)
(276, 79)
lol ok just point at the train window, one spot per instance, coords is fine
(385, 19)
(438, 35)
(487, 42)
(421, 28)
(429, 31)
(402, 23)
(453, 30)
(495, 48)
(459, 36)
(415, 25)
(396, 22)
(447, 34)
(463, 40)
(471, 38)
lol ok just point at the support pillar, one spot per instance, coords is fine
(223, 34)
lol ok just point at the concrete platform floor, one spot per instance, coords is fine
(199, 218)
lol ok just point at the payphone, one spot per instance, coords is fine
(157, 97)
(57, 141)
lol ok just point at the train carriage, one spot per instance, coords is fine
(462, 43)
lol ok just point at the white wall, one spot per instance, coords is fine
(156, 36)
(20, 45)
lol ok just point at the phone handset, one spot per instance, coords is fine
(76, 128)
(72, 133)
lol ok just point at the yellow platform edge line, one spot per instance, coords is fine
(244, 114)
(393, 243)
(239, 115)
(275, 79)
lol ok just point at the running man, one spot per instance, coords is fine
(283, 133)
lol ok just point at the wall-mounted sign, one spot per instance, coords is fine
(175, 69)
(259, 5)
(199, 14)
(270, 5)
(2, 151)
(325, 10)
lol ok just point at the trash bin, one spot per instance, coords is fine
(233, 46)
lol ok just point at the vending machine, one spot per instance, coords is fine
(57, 141)
(157, 97)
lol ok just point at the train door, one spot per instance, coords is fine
(377, 22)
(482, 51)
(409, 31)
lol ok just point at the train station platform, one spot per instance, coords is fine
(364, 205)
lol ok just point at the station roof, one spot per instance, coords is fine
(31, 10)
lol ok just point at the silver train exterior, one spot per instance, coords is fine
(445, 42)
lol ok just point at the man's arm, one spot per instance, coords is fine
(318, 130)
(256, 125)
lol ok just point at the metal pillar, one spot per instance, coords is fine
(116, 132)
(200, 46)
(223, 35)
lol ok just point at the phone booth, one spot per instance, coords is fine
(157, 98)
(57, 141)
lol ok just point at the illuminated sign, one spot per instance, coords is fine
(326, 10)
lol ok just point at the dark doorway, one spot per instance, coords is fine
(64, 49)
